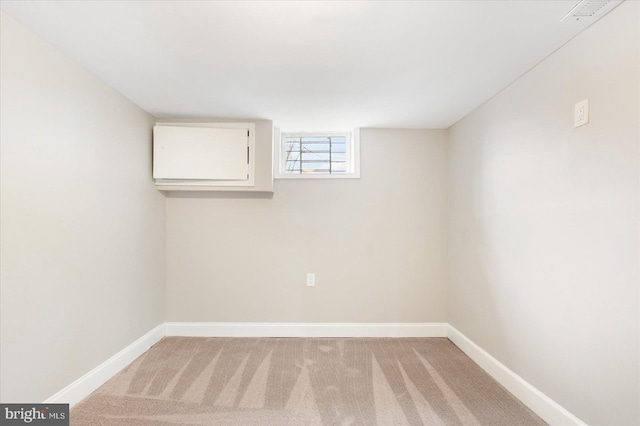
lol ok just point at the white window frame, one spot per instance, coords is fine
(353, 155)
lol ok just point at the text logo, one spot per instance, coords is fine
(35, 414)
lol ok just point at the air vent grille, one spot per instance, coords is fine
(586, 9)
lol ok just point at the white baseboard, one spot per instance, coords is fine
(550, 411)
(95, 378)
(266, 329)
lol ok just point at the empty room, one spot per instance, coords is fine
(320, 212)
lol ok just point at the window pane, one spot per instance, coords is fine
(315, 156)
(315, 167)
(292, 148)
(338, 147)
(314, 147)
(292, 156)
(291, 166)
(315, 139)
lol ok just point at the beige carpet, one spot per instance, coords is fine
(277, 381)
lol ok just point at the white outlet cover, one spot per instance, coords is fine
(311, 280)
(581, 113)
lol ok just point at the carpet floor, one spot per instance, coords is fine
(302, 381)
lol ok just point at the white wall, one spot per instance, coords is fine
(543, 235)
(377, 244)
(82, 236)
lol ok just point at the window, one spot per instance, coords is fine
(318, 155)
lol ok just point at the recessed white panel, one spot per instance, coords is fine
(199, 153)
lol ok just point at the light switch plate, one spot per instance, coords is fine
(581, 113)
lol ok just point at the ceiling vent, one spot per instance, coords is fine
(590, 9)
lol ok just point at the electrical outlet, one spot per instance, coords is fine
(311, 280)
(581, 113)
